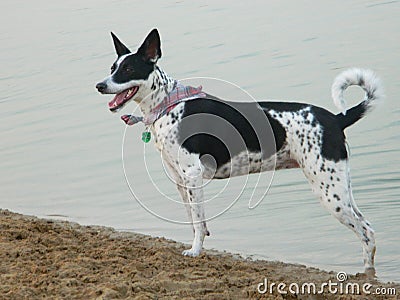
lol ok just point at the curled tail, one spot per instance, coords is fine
(369, 82)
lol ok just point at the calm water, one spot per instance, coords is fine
(61, 147)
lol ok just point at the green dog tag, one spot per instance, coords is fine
(146, 136)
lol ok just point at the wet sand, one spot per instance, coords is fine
(62, 260)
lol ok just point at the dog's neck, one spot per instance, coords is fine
(160, 84)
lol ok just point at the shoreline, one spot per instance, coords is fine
(46, 258)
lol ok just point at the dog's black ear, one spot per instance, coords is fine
(120, 48)
(150, 50)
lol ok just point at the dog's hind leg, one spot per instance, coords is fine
(330, 181)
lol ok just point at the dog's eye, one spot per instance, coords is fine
(128, 69)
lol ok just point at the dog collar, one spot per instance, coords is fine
(180, 93)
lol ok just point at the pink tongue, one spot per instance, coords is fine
(118, 99)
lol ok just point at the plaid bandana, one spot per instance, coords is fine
(179, 94)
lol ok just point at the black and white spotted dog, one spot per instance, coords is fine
(241, 138)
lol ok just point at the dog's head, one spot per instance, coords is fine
(130, 72)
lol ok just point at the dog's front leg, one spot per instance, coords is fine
(193, 181)
(180, 185)
(185, 198)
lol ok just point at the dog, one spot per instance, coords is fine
(203, 137)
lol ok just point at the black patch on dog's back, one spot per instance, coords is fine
(224, 129)
(194, 134)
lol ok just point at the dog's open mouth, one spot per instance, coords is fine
(122, 98)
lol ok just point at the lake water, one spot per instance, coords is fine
(61, 148)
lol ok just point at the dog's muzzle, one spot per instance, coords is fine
(101, 87)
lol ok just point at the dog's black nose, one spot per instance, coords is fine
(101, 87)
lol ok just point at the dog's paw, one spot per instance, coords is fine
(191, 252)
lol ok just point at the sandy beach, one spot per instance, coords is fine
(49, 259)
